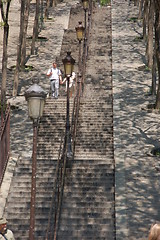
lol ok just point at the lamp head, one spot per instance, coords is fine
(85, 4)
(35, 97)
(80, 31)
(68, 63)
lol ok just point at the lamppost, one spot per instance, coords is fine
(35, 96)
(85, 7)
(80, 33)
(68, 63)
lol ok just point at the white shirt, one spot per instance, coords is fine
(55, 73)
(8, 235)
(71, 80)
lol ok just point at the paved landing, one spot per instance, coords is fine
(136, 131)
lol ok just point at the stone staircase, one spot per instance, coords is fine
(18, 201)
(88, 198)
(88, 210)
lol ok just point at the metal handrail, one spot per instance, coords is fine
(4, 142)
(81, 79)
(76, 114)
(55, 191)
(62, 161)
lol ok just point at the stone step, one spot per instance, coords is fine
(86, 171)
(28, 174)
(86, 234)
(91, 190)
(96, 107)
(40, 185)
(41, 164)
(74, 203)
(86, 118)
(77, 177)
(84, 156)
(99, 227)
(58, 131)
(77, 173)
(27, 197)
(40, 173)
(94, 115)
(89, 153)
(83, 211)
(85, 131)
(82, 147)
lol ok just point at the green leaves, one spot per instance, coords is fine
(104, 2)
(2, 24)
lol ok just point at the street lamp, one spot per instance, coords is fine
(68, 63)
(85, 4)
(85, 7)
(35, 96)
(80, 33)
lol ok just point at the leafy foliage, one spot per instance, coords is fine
(104, 2)
(2, 24)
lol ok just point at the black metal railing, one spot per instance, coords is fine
(63, 159)
(4, 142)
(57, 194)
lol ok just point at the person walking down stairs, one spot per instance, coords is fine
(55, 77)
(4, 232)
(72, 80)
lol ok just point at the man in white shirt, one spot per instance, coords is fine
(4, 232)
(55, 77)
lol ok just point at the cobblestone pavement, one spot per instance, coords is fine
(136, 130)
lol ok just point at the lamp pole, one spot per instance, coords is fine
(33, 182)
(85, 7)
(35, 96)
(80, 34)
(68, 62)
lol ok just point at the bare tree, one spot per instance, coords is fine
(21, 48)
(154, 72)
(41, 14)
(35, 27)
(149, 50)
(47, 9)
(4, 13)
(141, 2)
(53, 3)
(157, 40)
(24, 34)
(145, 15)
(49, 3)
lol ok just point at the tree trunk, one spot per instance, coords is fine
(47, 9)
(35, 27)
(157, 39)
(145, 14)
(53, 3)
(21, 48)
(24, 34)
(41, 15)
(154, 75)
(150, 35)
(141, 2)
(4, 57)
